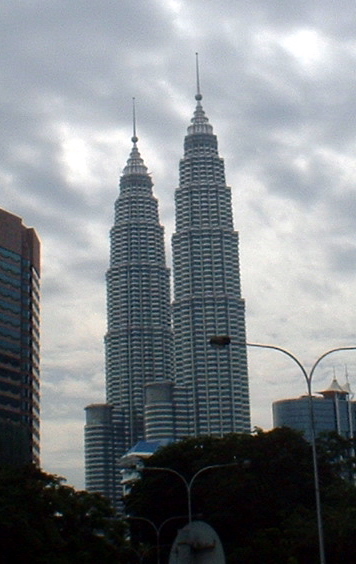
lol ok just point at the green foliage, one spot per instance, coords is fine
(339, 452)
(262, 505)
(44, 521)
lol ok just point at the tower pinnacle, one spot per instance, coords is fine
(134, 138)
(135, 164)
(198, 95)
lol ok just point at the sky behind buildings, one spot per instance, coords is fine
(278, 82)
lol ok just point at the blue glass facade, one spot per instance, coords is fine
(332, 412)
(19, 341)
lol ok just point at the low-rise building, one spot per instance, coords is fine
(333, 410)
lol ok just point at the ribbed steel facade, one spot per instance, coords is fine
(139, 336)
(159, 411)
(207, 295)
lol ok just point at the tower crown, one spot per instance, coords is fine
(200, 123)
(135, 164)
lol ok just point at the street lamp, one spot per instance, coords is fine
(223, 341)
(156, 529)
(189, 484)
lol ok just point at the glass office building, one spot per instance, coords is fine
(19, 341)
(334, 411)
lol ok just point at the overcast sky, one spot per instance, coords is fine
(278, 80)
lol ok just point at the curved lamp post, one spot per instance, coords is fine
(221, 341)
(189, 484)
(156, 529)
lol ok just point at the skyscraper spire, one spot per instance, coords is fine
(134, 139)
(198, 95)
(135, 164)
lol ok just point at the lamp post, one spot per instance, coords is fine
(223, 341)
(189, 484)
(156, 529)
(140, 555)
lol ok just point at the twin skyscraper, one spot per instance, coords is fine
(164, 380)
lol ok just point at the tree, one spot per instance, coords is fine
(43, 520)
(338, 451)
(262, 507)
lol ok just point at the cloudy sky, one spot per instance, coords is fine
(278, 82)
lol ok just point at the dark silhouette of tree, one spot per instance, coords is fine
(262, 506)
(339, 452)
(44, 521)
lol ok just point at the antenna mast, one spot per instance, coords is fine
(134, 137)
(198, 95)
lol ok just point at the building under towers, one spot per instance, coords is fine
(162, 387)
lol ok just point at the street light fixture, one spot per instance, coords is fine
(222, 341)
(156, 529)
(189, 484)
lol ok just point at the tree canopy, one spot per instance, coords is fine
(262, 505)
(43, 521)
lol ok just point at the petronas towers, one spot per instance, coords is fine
(163, 381)
(207, 297)
(139, 336)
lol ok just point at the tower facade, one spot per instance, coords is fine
(19, 341)
(139, 336)
(100, 475)
(207, 294)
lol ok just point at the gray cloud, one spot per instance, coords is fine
(278, 83)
